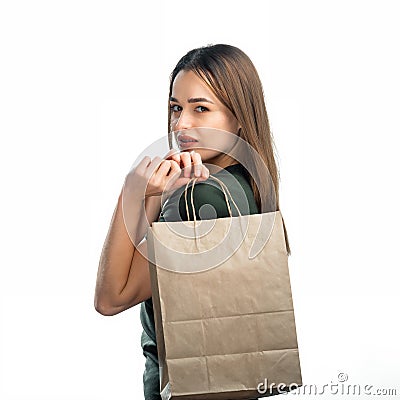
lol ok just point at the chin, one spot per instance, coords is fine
(211, 157)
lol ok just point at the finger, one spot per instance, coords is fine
(174, 173)
(187, 164)
(197, 163)
(205, 173)
(176, 176)
(172, 176)
(172, 154)
(163, 169)
(175, 168)
(143, 163)
(153, 166)
(160, 173)
(176, 158)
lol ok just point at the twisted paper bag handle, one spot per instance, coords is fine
(224, 189)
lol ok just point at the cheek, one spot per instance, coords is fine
(226, 122)
(217, 140)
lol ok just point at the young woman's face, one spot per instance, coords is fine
(194, 105)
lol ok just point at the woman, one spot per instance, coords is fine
(216, 87)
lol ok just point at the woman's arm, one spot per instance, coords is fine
(123, 278)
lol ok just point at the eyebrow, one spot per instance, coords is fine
(193, 100)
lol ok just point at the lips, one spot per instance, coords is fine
(186, 139)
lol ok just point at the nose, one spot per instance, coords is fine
(184, 121)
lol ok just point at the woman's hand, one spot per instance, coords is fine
(163, 176)
(185, 159)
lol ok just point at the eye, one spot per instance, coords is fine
(175, 108)
(203, 108)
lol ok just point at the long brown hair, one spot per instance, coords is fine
(234, 80)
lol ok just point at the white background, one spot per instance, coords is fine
(84, 87)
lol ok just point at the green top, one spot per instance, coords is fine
(210, 195)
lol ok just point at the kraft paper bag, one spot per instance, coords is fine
(223, 309)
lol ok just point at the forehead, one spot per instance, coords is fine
(189, 84)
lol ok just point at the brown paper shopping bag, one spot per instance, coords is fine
(223, 308)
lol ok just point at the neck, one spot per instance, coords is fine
(222, 161)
